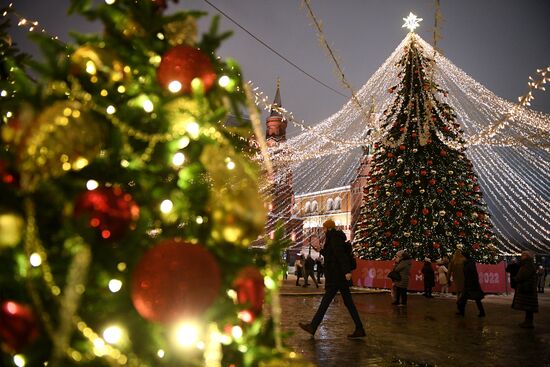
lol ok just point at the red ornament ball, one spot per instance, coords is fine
(439, 190)
(390, 155)
(408, 191)
(429, 162)
(387, 234)
(249, 286)
(402, 147)
(398, 184)
(452, 202)
(414, 134)
(432, 182)
(175, 280)
(459, 214)
(442, 153)
(18, 326)
(423, 172)
(456, 222)
(183, 64)
(395, 243)
(475, 246)
(425, 211)
(109, 210)
(436, 245)
(414, 222)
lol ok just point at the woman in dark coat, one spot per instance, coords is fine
(472, 289)
(403, 267)
(429, 277)
(525, 296)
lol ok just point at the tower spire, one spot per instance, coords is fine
(276, 100)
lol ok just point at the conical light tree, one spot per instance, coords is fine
(422, 194)
(126, 205)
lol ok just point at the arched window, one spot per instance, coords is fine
(307, 207)
(337, 203)
(330, 204)
(314, 206)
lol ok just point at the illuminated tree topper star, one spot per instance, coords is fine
(411, 22)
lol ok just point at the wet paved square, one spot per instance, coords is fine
(425, 333)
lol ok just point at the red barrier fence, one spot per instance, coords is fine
(374, 274)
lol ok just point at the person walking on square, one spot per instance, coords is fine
(541, 275)
(525, 296)
(337, 275)
(443, 277)
(472, 288)
(429, 277)
(309, 271)
(319, 264)
(456, 271)
(299, 268)
(403, 267)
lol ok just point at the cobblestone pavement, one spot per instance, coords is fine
(425, 333)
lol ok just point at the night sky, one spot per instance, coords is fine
(500, 43)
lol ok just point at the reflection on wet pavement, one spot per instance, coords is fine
(425, 333)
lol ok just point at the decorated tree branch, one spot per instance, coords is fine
(127, 207)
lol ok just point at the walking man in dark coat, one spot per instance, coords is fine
(472, 289)
(309, 269)
(337, 275)
(525, 296)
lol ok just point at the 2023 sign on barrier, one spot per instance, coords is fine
(374, 274)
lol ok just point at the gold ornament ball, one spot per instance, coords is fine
(12, 226)
(55, 144)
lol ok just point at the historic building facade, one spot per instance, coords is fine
(303, 215)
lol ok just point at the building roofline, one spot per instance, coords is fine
(328, 191)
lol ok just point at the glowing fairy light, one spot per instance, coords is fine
(411, 22)
(161, 353)
(112, 334)
(115, 285)
(110, 2)
(193, 129)
(90, 67)
(224, 81)
(110, 109)
(148, 105)
(174, 86)
(19, 360)
(183, 142)
(186, 334)
(237, 332)
(92, 185)
(178, 159)
(35, 260)
(166, 206)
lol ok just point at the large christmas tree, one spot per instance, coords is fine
(422, 194)
(126, 206)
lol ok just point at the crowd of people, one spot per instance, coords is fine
(527, 280)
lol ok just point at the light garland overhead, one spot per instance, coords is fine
(511, 160)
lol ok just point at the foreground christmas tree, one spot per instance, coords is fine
(126, 205)
(422, 195)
